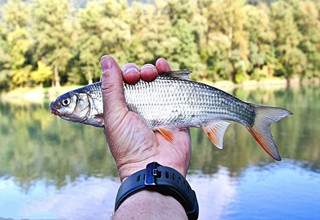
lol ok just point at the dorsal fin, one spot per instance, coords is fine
(180, 74)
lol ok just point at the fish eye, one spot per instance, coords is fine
(66, 102)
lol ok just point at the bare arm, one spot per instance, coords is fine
(145, 204)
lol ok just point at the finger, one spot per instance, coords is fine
(162, 66)
(114, 105)
(131, 74)
(148, 72)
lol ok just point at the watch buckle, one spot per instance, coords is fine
(151, 174)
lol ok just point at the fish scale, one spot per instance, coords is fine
(172, 101)
(184, 103)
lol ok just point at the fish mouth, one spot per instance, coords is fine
(53, 109)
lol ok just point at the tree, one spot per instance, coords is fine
(115, 28)
(90, 43)
(42, 74)
(287, 40)
(5, 59)
(185, 54)
(16, 18)
(149, 42)
(261, 51)
(53, 34)
(228, 49)
(218, 40)
(309, 27)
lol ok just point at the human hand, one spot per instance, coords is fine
(132, 143)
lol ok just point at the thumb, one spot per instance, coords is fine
(114, 105)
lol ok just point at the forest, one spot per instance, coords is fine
(58, 42)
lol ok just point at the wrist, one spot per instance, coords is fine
(161, 179)
(144, 204)
(127, 169)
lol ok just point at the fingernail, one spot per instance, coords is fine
(106, 63)
(132, 69)
(148, 66)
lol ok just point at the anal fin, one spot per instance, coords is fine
(215, 131)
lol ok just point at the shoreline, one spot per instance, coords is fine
(266, 83)
(40, 95)
(36, 94)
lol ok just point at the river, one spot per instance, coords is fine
(54, 169)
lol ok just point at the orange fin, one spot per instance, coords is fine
(260, 130)
(215, 131)
(99, 116)
(168, 134)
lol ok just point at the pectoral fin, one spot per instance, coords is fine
(168, 134)
(99, 117)
(215, 131)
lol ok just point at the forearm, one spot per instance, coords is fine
(144, 204)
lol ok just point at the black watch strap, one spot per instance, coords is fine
(164, 180)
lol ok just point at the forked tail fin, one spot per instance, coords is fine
(260, 130)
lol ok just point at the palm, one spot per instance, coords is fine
(140, 143)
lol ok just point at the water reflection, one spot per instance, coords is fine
(275, 191)
(44, 155)
(36, 145)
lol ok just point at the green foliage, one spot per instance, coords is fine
(16, 18)
(21, 76)
(261, 51)
(115, 28)
(89, 41)
(287, 38)
(185, 54)
(5, 59)
(217, 40)
(53, 34)
(42, 74)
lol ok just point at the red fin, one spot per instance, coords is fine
(215, 131)
(166, 133)
(267, 145)
(99, 116)
(260, 130)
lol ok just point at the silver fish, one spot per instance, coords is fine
(173, 101)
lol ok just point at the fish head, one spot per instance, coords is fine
(71, 106)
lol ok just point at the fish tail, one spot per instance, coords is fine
(260, 130)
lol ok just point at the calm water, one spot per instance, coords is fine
(53, 169)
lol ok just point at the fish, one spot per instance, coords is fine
(173, 101)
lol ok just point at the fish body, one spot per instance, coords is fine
(171, 101)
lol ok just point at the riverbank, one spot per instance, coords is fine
(266, 83)
(39, 95)
(36, 95)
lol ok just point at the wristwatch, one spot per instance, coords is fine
(164, 180)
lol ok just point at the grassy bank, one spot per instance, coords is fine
(38, 95)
